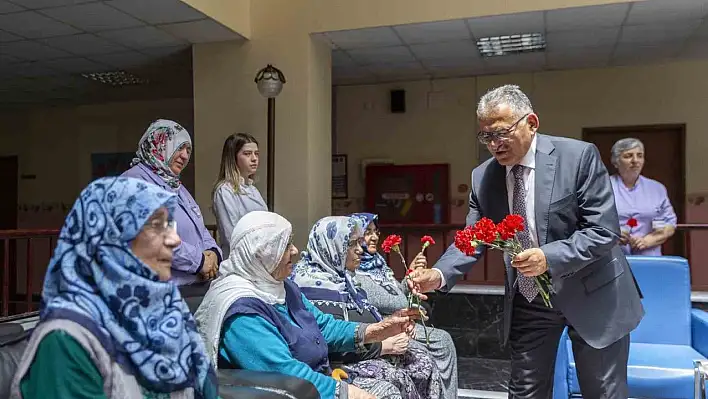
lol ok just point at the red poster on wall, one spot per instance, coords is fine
(409, 194)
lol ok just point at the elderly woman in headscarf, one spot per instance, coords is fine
(111, 324)
(253, 318)
(387, 294)
(325, 274)
(646, 216)
(163, 152)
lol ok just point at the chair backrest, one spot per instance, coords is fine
(194, 294)
(10, 330)
(665, 283)
(13, 341)
(193, 303)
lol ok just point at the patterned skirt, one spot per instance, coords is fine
(442, 350)
(414, 375)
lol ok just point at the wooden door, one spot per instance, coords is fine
(664, 154)
(8, 199)
(8, 221)
(409, 194)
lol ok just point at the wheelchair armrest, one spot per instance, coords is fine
(699, 331)
(232, 392)
(10, 330)
(12, 345)
(284, 386)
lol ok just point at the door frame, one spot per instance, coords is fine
(9, 250)
(16, 159)
(680, 128)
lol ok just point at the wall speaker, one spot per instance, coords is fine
(398, 101)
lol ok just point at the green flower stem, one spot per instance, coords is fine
(414, 299)
(513, 247)
(542, 291)
(397, 250)
(425, 328)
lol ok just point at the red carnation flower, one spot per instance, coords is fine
(505, 231)
(391, 243)
(465, 242)
(514, 222)
(632, 222)
(427, 241)
(485, 230)
(511, 225)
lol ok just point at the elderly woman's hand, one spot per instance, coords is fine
(640, 243)
(358, 393)
(210, 268)
(420, 261)
(401, 321)
(396, 345)
(624, 238)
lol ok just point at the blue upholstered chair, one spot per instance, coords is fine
(665, 344)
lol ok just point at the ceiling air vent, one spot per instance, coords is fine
(116, 78)
(495, 46)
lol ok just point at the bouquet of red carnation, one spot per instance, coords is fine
(501, 236)
(392, 243)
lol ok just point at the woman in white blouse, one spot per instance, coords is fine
(234, 194)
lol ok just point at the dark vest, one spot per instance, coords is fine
(305, 339)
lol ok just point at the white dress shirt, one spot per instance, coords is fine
(529, 161)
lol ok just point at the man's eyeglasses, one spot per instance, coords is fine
(162, 226)
(501, 134)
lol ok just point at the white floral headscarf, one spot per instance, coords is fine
(321, 272)
(258, 243)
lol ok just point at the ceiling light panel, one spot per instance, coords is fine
(495, 46)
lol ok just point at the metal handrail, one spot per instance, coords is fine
(8, 236)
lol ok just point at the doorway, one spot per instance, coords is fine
(8, 200)
(664, 151)
(8, 221)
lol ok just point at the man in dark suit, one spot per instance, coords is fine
(562, 189)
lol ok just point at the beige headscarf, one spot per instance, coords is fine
(258, 243)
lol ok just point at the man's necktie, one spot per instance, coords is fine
(527, 285)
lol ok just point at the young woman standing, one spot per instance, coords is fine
(234, 194)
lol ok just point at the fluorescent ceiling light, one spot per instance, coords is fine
(116, 78)
(494, 46)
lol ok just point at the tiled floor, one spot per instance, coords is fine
(483, 374)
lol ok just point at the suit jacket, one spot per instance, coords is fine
(578, 230)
